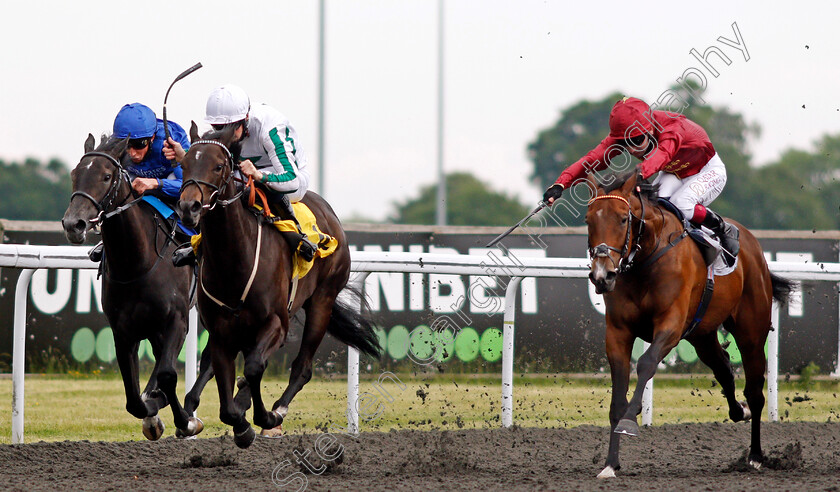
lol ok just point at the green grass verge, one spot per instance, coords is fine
(79, 407)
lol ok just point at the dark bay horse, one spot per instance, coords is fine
(655, 298)
(143, 295)
(245, 275)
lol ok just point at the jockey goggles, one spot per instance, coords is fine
(139, 143)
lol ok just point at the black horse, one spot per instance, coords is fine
(143, 295)
(246, 296)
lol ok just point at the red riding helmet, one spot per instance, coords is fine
(627, 119)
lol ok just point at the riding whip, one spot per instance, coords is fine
(492, 243)
(183, 74)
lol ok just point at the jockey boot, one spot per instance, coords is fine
(95, 254)
(184, 256)
(297, 240)
(727, 234)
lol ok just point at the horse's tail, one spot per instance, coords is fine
(782, 287)
(351, 326)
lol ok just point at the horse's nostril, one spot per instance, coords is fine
(80, 225)
(195, 207)
(611, 276)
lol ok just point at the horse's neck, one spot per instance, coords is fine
(129, 240)
(228, 237)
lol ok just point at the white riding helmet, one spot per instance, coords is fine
(227, 104)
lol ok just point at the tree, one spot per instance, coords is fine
(801, 190)
(580, 128)
(469, 201)
(34, 191)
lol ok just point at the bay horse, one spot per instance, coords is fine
(245, 297)
(652, 283)
(143, 295)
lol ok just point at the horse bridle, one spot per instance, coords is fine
(213, 200)
(110, 196)
(602, 250)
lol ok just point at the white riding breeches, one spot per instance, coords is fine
(303, 185)
(702, 188)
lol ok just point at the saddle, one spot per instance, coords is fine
(306, 225)
(708, 249)
(166, 211)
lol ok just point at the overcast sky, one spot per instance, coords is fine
(510, 67)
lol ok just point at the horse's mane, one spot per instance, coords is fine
(648, 190)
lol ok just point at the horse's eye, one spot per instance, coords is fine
(107, 177)
(623, 220)
(219, 168)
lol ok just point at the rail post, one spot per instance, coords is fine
(507, 351)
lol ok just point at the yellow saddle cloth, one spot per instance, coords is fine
(326, 244)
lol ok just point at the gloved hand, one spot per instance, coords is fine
(648, 169)
(553, 193)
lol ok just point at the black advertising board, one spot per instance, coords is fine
(559, 322)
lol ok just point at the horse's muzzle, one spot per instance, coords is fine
(75, 229)
(602, 278)
(189, 212)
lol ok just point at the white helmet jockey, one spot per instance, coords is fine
(227, 104)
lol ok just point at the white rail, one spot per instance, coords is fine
(30, 257)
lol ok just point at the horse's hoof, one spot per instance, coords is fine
(747, 412)
(741, 413)
(627, 427)
(607, 472)
(245, 439)
(194, 427)
(153, 428)
(755, 464)
(274, 433)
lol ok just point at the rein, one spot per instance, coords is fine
(217, 190)
(107, 202)
(210, 205)
(602, 250)
(110, 196)
(628, 262)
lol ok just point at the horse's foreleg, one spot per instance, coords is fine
(712, 354)
(619, 348)
(127, 360)
(255, 364)
(152, 393)
(664, 340)
(205, 374)
(223, 359)
(168, 381)
(137, 405)
(318, 310)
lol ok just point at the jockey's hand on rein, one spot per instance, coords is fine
(553, 193)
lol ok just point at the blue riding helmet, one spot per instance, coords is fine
(136, 120)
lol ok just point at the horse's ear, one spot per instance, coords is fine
(193, 132)
(593, 183)
(89, 143)
(121, 147)
(632, 181)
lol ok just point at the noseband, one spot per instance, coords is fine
(110, 196)
(603, 250)
(217, 190)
